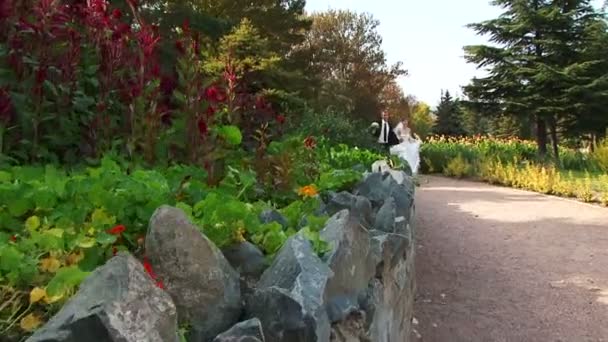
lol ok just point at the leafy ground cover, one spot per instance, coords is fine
(513, 162)
(58, 225)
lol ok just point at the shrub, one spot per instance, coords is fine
(337, 128)
(600, 155)
(458, 167)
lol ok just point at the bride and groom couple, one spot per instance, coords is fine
(400, 141)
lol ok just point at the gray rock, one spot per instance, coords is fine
(404, 200)
(284, 317)
(377, 187)
(385, 218)
(387, 250)
(359, 205)
(350, 261)
(389, 300)
(339, 201)
(352, 329)
(363, 210)
(374, 188)
(246, 258)
(117, 302)
(289, 300)
(203, 285)
(247, 331)
(271, 215)
(392, 300)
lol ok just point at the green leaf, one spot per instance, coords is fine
(5, 176)
(19, 206)
(65, 280)
(101, 218)
(10, 258)
(45, 199)
(56, 232)
(232, 134)
(93, 257)
(32, 223)
(273, 241)
(85, 242)
(105, 239)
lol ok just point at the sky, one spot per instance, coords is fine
(427, 36)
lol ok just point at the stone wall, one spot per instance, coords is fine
(361, 290)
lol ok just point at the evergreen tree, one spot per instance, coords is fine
(535, 62)
(448, 113)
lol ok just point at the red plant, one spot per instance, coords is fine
(118, 230)
(148, 269)
(281, 119)
(310, 142)
(5, 107)
(202, 127)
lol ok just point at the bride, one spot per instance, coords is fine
(409, 146)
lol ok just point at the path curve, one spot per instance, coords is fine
(499, 264)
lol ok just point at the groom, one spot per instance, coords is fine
(387, 136)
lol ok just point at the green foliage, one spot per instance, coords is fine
(458, 167)
(337, 127)
(448, 113)
(548, 67)
(513, 162)
(337, 40)
(600, 155)
(421, 120)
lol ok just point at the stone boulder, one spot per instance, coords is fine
(350, 260)
(118, 302)
(203, 285)
(360, 206)
(271, 215)
(377, 187)
(246, 258)
(387, 250)
(390, 302)
(289, 300)
(247, 331)
(385, 218)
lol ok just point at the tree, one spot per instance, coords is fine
(344, 47)
(448, 113)
(589, 115)
(533, 64)
(394, 101)
(422, 120)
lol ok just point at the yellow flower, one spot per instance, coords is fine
(308, 191)
(74, 258)
(37, 294)
(49, 264)
(30, 322)
(239, 235)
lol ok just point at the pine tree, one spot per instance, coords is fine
(449, 121)
(538, 50)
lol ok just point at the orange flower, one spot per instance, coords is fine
(308, 191)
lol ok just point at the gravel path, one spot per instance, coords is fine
(498, 264)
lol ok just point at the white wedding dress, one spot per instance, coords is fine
(408, 149)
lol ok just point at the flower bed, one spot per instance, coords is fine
(514, 162)
(56, 226)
